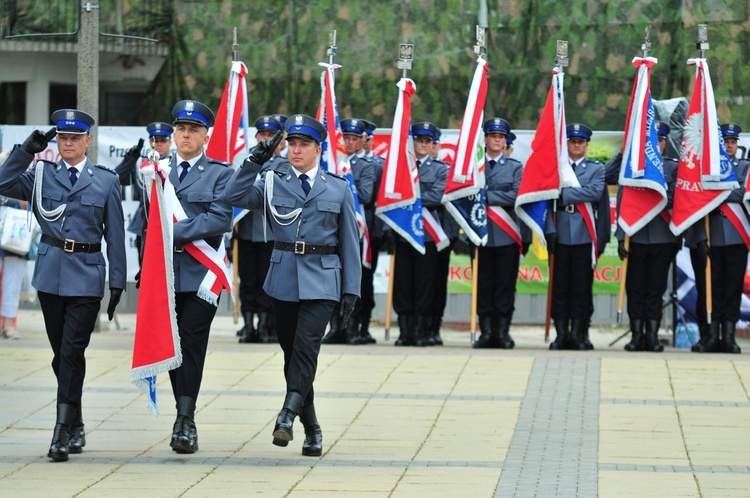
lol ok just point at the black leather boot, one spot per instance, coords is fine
(502, 331)
(265, 328)
(585, 335)
(60, 446)
(421, 330)
(711, 343)
(353, 336)
(703, 336)
(429, 330)
(184, 433)
(283, 430)
(562, 341)
(406, 330)
(728, 344)
(249, 333)
(652, 336)
(77, 433)
(313, 445)
(487, 339)
(335, 335)
(364, 328)
(577, 334)
(636, 341)
(436, 324)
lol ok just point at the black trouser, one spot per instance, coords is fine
(69, 321)
(301, 325)
(414, 284)
(728, 267)
(442, 272)
(254, 261)
(194, 317)
(496, 287)
(572, 293)
(646, 281)
(368, 274)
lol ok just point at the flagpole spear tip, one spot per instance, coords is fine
(331, 52)
(405, 57)
(702, 44)
(646, 47)
(235, 46)
(481, 47)
(561, 54)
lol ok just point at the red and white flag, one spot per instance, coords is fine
(228, 136)
(156, 347)
(705, 177)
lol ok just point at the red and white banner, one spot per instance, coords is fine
(156, 346)
(229, 134)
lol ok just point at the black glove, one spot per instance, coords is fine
(621, 251)
(135, 151)
(347, 308)
(264, 150)
(38, 141)
(389, 241)
(138, 280)
(703, 249)
(114, 299)
(525, 248)
(551, 239)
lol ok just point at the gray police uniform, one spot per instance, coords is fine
(315, 259)
(499, 258)
(70, 267)
(209, 217)
(573, 274)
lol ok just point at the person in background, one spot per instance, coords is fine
(14, 269)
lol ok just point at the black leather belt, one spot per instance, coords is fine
(70, 245)
(304, 248)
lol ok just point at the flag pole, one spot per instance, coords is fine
(702, 46)
(561, 61)
(405, 59)
(235, 242)
(480, 49)
(646, 48)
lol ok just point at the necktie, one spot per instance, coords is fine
(574, 166)
(305, 185)
(419, 163)
(73, 176)
(492, 163)
(185, 167)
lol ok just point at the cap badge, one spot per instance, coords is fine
(298, 119)
(577, 127)
(70, 115)
(189, 106)
(157, 126)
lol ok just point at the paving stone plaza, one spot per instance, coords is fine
(397, 422)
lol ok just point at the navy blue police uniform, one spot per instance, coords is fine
(315, 264)
(76, 205)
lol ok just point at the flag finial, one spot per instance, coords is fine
(481, 47)
(702, 44)
(405, 56)
(646, 47)
(561, 56)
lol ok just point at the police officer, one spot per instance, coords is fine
(160, 139)
(414, 273)
(198, 183)
(255, 244)
(315, 262)
(727, 253)
(509, 141)
(363, 171)
(76, 203)
(571, 243)
(499, 258)
(652, 249)
(376, 228)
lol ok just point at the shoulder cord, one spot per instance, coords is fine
(36, 196)
(291, 216)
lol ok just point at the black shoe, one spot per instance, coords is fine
(283, 430)
(487, 339)
(577, 335)
(406, 328)
(636, 329)
(501, 325)
(184, 434)
(59, 449)
(313, 445)
(77, 434)
(335, 335)
(265, 328)
(364, 330)
(728, 344)
(562, 327)
(652, 337)
(711, 344)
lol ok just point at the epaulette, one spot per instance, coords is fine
(334, 175)
(595, 161)
(671, 159)
(511, 160)
(216, 161)
(54, 165)
(108, 170)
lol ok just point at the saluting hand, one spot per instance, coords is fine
(135, 151)
(37, 141)
(265, 149)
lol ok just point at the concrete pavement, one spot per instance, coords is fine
(401, 422)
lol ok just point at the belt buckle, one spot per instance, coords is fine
(178, 249)
(570, 208)
(69, 245)
(299, 247)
